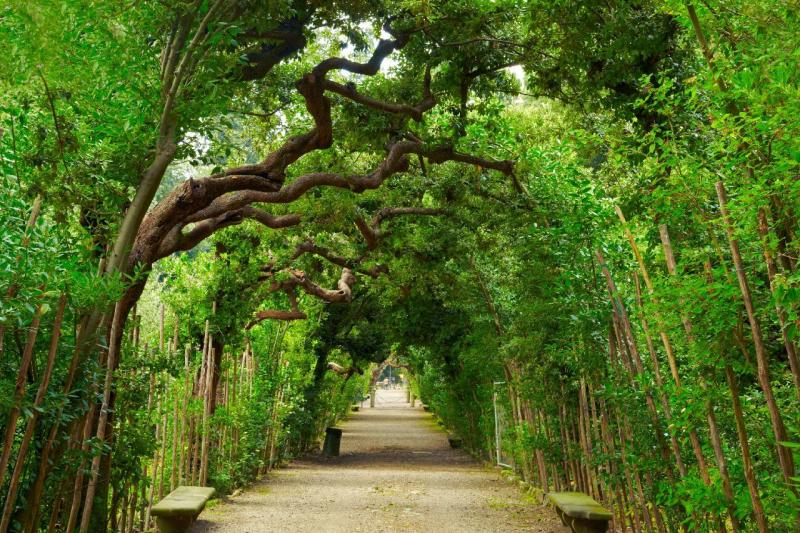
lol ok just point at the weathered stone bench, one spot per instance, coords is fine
(580, 512)
(454, 441)
(176, 512)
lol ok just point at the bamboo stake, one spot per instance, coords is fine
(779, 430)
(154, 477)
(635, 366)
(29, 520)
(749, 474)
(595, 428)
(608, 439)
(19, 392)
(716, 440)
(101, 423)
(201, 393)
(31, 425)
(772, 272)
(77, 491)
(744, 443)
(619, 348)
(636, 525)
(36, 209)
(206, 412)
(186, 396)
(676, 450)
(175, 328)
(234, 430)
(132, 509)
(143, 518)
(673, 364)
(587, 440)
(544, 481)
(161, 329)
(173, 477)
(123, 518)
(144, 514)
(162, 457)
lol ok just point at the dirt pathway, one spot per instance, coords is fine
(396, 473)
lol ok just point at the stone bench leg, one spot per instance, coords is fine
(174, 524)
(582, 525)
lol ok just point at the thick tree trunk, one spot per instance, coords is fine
(101, 466)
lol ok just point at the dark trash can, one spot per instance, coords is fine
(333, 439)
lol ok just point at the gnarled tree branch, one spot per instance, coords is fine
(227, 198)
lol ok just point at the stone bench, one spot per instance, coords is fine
(176, 512)
(580, 512)
(454, 441)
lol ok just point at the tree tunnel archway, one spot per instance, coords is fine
(391, 362)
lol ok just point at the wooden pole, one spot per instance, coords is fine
(628, 345)
(772, 272)
(78, 485)
(101, 423)
(676, 450)
(31, 425)
(779, 430)
(19, 392)
(711, 418)
(36, 209)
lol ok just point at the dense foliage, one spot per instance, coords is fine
(581, 218)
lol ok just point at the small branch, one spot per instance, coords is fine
(269, 220)
(275, 315)
(486, 40)
(414, 112)
(369, 234)
(391, 212)
(371, 67)
(265, 115)
(344, 293)
(51, 104)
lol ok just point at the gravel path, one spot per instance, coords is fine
(396, 473)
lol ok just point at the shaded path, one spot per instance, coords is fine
(396, 473)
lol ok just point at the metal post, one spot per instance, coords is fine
(498, 441)
(496, 427)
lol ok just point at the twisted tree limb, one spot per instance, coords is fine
(372, 234)
(198, 208)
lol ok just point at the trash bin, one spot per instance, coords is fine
(333, 439)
